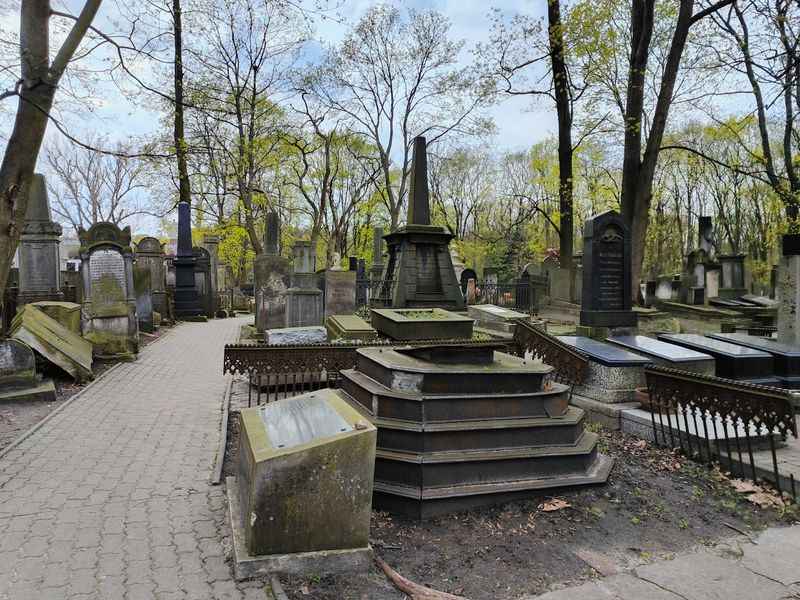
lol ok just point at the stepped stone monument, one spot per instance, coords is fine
(108, 312)
(301, 501)
(150, 255)
(304, 298)
(39, 263)
(606, 295)
(419, 271)
(272, 273)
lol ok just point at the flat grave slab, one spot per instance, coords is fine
(786, 357)
(733, 360)
(760, 300)
(666, 354)
(421, 324)
(349, 327)
(607, 354)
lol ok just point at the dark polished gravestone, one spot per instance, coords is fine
(665, 354)
(786, 357)
(606, 354)
(732, 360)
(606, 298)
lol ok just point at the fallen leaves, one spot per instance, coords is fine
(758, 495)
(554, 504)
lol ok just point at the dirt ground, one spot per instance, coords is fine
(655, 504)
(17, 417)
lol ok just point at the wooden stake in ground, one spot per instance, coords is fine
(413, 590)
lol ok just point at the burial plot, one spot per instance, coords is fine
(18, 380)
(606, 275)
(109, 301)
(732, 360)
(272, 278)
(786, 357)
(421, 324)
(665, 354)
(39, 263)
(301, 501)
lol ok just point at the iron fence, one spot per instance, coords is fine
(721, 421)
(373, 292)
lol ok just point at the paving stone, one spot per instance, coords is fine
(777, 555)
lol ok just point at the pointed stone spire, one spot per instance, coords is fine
(419, 209)
(184, 230)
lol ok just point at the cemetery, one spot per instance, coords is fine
(389, 301)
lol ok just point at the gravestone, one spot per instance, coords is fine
(787, 290)
(693, 281)
(705, 229)
(108, 312)
(144, 298)
(202, 280)
(272, 278)
(211, 244)
(302, 500)
(150, 255)
(303, 298)
(296, 335)
(349, 327)
(466, 275)
(490, 276)
(607, 294)
(39, 263)
(340, 292)
(18, 380)
(712, 281)
(187, 304)
(458, 268)
(419, 272)
(362, 283)
(577, 267)
(376, 271)
(732, 282)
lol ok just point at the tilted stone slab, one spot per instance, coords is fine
(67, 314)
(54, 342)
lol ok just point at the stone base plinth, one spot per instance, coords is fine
(609, 318)
(601, 333)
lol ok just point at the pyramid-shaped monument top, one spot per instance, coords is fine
(419, 207)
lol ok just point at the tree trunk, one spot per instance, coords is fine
(560, 82)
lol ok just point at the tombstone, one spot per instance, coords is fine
(271, 273)
(732, 283)
(549, 267)
(458, 268)
(466, 275)
(663, 290)
(376, 270)
(787, 290)
(18, 380)
(108, 311)
(419, 272)
(705, 242)
(39, 262)
(472, 291)
(577, 267)
(302, 500)
(352, 263)
(649, 292)
(490, 277)
(607, 293)
(773, 281)
(339, 288)
(187, 303)
(362, 284)
(202, 280)
(712, 281)
(150, 255)
(693, 281)
(211, 244)
(304, 300)
(144, 298)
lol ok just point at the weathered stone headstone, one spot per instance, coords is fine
(340, 292)
(304, 298)
(18, 380)
(39, 263)
(472, 294)
(349, 327)
(150, 255)
(144, 298)
(271, 279)
(296, 335)
(732, 283)
(202, 280)
(607, 295)
(67, 314)
(109, 301)
(419, 272)
(787, 290)
(211, 244)
(376, 271)
(303, 496)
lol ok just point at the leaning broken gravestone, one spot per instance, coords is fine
(302, 500)
(18, 380)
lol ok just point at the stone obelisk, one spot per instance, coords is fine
(187, 303)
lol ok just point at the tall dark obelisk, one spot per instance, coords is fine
(419, 272)
(187, 303)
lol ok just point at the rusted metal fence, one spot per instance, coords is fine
(571, 367)
(722, 421)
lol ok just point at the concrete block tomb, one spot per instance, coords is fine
(301, 501)
(18, 380)
(421, 324)
(466, 426)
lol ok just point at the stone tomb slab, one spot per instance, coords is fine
(305, 478)
(666, 354)
(18, 381)
(495, 318)
(786, 357)
(296, 335)
(614, 372)
(421, 324)
(733, 361)
(349, 327)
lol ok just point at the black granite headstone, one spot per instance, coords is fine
(272, 233)
(606, 298)
(187, 304)
(419, 210)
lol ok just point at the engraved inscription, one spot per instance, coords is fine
(107, 275)
(610, 256)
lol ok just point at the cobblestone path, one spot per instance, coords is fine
(111, 498)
